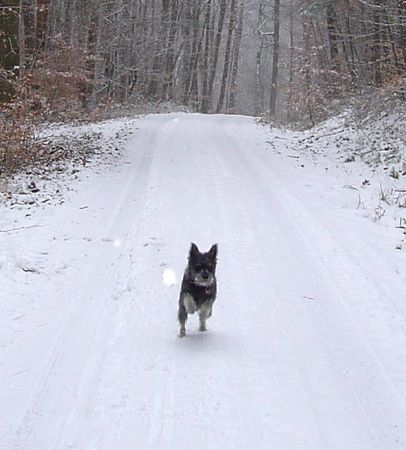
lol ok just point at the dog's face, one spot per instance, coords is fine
(202, 266)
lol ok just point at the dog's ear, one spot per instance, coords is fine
(194, 251)
(213, 252)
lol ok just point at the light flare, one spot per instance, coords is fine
(117, 243)
(169, 277)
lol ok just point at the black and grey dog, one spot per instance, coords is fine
(199, 287)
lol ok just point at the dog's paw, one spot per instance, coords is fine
(202, 328)
(182, 333)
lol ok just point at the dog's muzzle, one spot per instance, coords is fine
(203, 282)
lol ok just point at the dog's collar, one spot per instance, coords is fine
(208, 289)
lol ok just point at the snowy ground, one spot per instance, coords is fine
(307, 345)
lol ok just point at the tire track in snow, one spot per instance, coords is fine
(57, 389)
(391, 411)
(113, 399)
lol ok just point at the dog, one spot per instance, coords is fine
(199, 287)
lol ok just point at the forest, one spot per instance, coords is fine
(289, 60)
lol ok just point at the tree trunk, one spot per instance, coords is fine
(291, 59)
(402, 30)
(307, 76)
(156, 78)
(275, 59)
(234, 69)
(42, 23)
(353, 49)
(27, 40)
(91, 47)
(216, 51)
(377, 46)
(332, 35)
(187, 52)
(170, 53)
(198, 35)
(69, 22)
(227, 57)
(205, 61)
(9, 48)
(192, 92)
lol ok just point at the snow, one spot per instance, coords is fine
(306, 348)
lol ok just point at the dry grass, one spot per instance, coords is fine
(56, 88)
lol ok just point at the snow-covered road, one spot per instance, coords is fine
(306, 348)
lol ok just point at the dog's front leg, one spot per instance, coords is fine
(182, 316)
(202, 326)
(204, 313)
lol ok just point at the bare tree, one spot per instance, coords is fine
(227, 56)
(205, 58)
(275, 58)
(216, 50)
(9, 48)
(231, 98)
